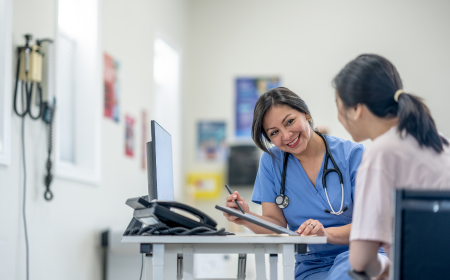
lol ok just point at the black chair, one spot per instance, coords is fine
(421, 244)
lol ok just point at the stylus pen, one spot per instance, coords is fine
(237, 203)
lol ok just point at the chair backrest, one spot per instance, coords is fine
(421, 244)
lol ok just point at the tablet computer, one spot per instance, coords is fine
(257, 221)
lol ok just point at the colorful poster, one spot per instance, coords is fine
(111, 87)
(129, 136)
(144, 140)
(248, 90)
(205, 185)
(211, 145)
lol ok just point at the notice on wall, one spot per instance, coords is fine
(211, 141)
(248, 90)
(129, 136)
(111, 87)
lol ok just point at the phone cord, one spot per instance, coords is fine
(163, 229)
(24, 216)
(48, 195)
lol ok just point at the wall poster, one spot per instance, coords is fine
(211, 143)
(111, 87)
(129, 136)
(248, 90)
(205, 185)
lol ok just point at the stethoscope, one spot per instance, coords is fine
(283, 201)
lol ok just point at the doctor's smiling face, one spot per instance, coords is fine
(282, 118)
(287, 128)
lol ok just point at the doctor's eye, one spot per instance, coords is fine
(289, 122)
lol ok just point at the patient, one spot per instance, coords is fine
(407, 152)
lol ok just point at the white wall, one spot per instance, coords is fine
(64, 234)
(306, 43)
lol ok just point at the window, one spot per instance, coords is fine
(5, 80)
(166, 72)
(78, 91)
(66, 97)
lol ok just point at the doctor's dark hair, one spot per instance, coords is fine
(373, 80)
(275, 97)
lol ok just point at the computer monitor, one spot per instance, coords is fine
(159, 164)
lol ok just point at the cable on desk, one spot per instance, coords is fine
(163, 229)
(142, 266)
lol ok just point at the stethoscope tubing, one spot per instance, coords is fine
(335, 168)
(325, 173)
(342, 202)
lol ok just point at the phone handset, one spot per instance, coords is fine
(204, 218)
(168, 212)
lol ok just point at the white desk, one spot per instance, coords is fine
(186, 246)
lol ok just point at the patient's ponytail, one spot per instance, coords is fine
(373, 80)
(414, 117)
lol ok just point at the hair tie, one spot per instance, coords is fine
(397, 94)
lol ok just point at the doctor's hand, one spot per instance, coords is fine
(311, 227)
(230, 203)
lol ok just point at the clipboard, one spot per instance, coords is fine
(257, 221)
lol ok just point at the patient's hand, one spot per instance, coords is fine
(311, 227)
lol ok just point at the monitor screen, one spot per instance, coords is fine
(159, 167)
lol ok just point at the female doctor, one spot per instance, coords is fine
(305, 181)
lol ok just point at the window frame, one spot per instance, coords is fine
(88, 116)
(6, 53)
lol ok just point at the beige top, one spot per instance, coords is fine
(393, 162)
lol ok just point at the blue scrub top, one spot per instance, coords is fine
(305, 200)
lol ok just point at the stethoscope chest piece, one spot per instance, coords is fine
(282, 201)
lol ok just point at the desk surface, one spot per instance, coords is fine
(229, 239)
